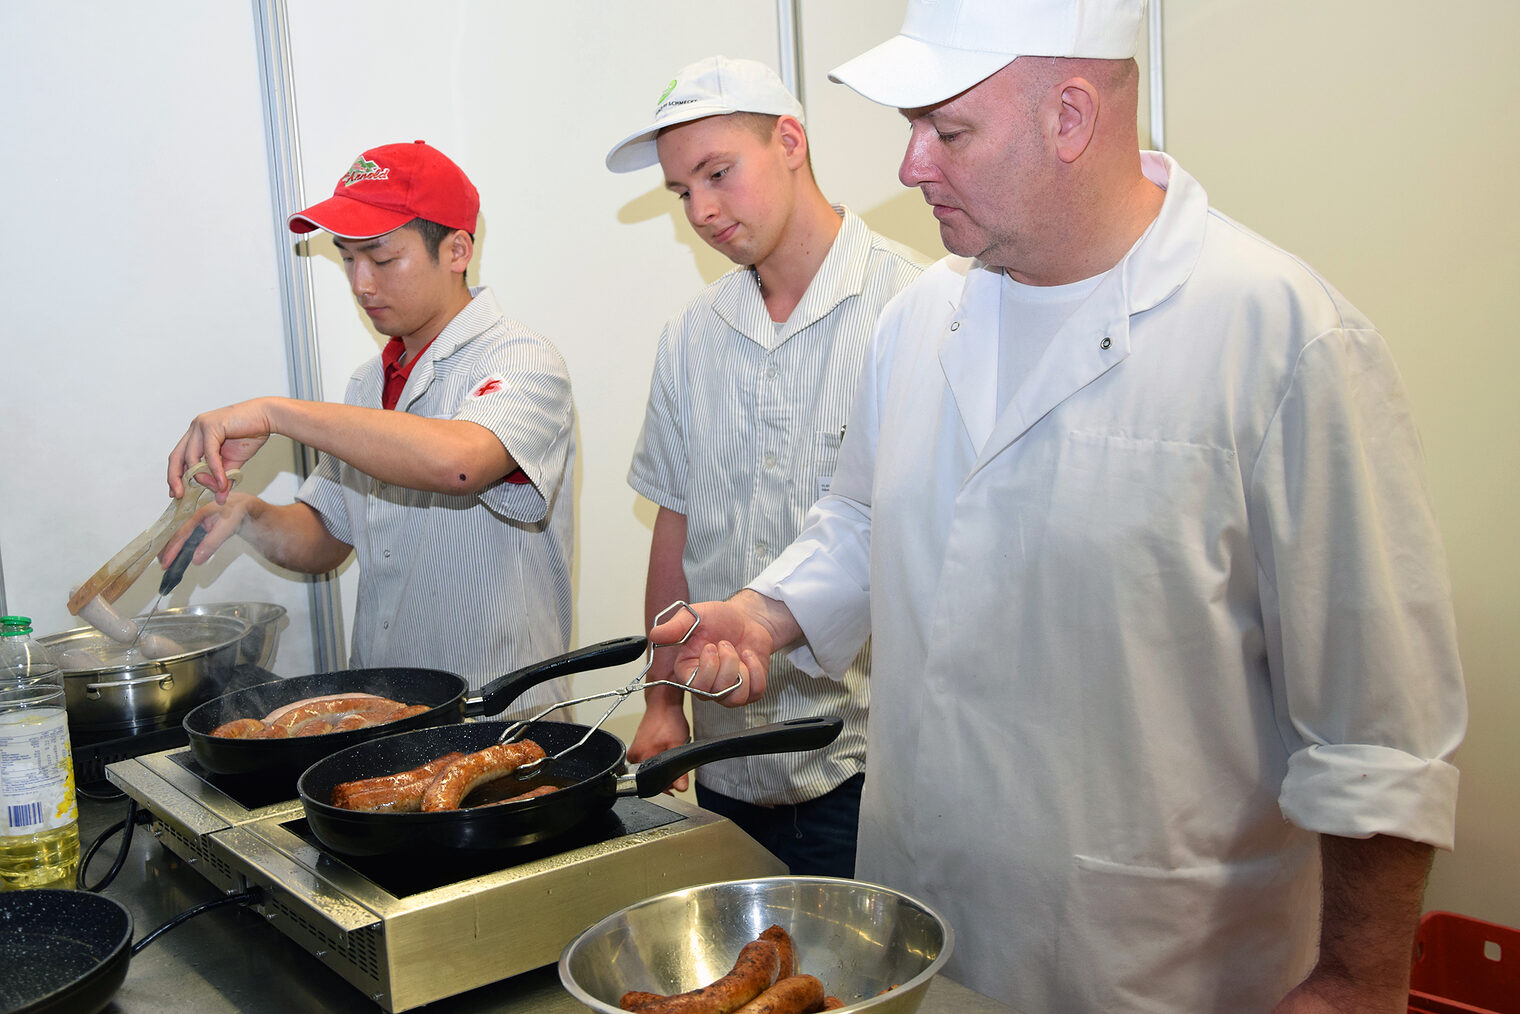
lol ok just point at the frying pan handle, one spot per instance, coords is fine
(503, 690)
(655, 774)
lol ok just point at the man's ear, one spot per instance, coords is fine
(458, 249)
(1076, 118)
(793, 141)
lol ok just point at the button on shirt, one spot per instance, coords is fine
(477, 585)
(741, 435)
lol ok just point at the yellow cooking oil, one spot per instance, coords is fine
(48, 859)
(48, 856)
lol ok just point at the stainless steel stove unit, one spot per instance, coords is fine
(408, 933)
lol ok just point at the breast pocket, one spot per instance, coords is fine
(825, 459)
(1141, 515)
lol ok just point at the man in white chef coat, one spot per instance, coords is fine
(446, 469)
(749, 397)
(1133, 508)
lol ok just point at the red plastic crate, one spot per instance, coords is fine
(1464, 966)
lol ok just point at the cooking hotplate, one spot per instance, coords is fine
(408, 932)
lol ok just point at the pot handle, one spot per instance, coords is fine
(158, 677)
(503, 690)
(655, 774)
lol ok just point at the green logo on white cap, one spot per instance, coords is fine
(666, 93)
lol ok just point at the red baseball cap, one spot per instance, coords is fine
(387, 187)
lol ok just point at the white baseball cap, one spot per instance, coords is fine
(946, 46)
(715, 86)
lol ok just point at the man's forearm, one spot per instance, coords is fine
(437, 455)
(1373, 889)
(665, 583)
(292, 536)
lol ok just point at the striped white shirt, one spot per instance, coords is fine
(476, 585)
(741, 435)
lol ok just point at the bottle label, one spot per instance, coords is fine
(36, 772)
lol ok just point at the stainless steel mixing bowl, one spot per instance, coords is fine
(263, 618)
(858, 938)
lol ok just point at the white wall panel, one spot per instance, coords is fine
(137, 277)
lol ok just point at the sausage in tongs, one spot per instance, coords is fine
(476, 769)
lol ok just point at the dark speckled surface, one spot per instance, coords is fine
(61, 950)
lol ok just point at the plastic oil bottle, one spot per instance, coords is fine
(39, 818)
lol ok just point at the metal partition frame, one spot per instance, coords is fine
(282, 144)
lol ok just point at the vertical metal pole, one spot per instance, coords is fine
(1157, 80)
(282, 145)
(3, 610)
(789, 39)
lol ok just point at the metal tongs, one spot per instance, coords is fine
(518, 729)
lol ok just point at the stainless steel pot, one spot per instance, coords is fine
(263, 618)
(124, 694)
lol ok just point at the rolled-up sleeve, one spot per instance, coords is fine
(1356, 602)
(522, 394)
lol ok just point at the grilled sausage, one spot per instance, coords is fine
(397, 793)
(239, 728)
(475, 769)
(270, 732)
(831, 1003)
(752, 974)
(799, 994)
(635, 1000)
(788, 953)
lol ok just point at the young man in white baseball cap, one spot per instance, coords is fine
(751, 390)
(1133, 510)
(445, 471)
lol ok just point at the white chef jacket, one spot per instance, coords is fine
(1179, 607)
(476, 585)
(741, 435)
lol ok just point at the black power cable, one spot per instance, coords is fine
(249, 897)
(133, 818)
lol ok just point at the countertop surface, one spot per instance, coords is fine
(229, 959)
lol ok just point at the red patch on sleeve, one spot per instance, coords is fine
(487, 387)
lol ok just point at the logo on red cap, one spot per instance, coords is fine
(363, 169)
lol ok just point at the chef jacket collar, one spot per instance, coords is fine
(743, 308)
(1094, 340)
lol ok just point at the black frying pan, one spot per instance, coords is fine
(589, 776)
(443, 693)
(63, 951)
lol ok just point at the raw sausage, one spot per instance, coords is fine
(475, 769)
(329, 706)
(783, 941)
(379, 715)
(399, 793)
(799, 994)
(752, 974)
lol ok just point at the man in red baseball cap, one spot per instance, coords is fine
(445, 469)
